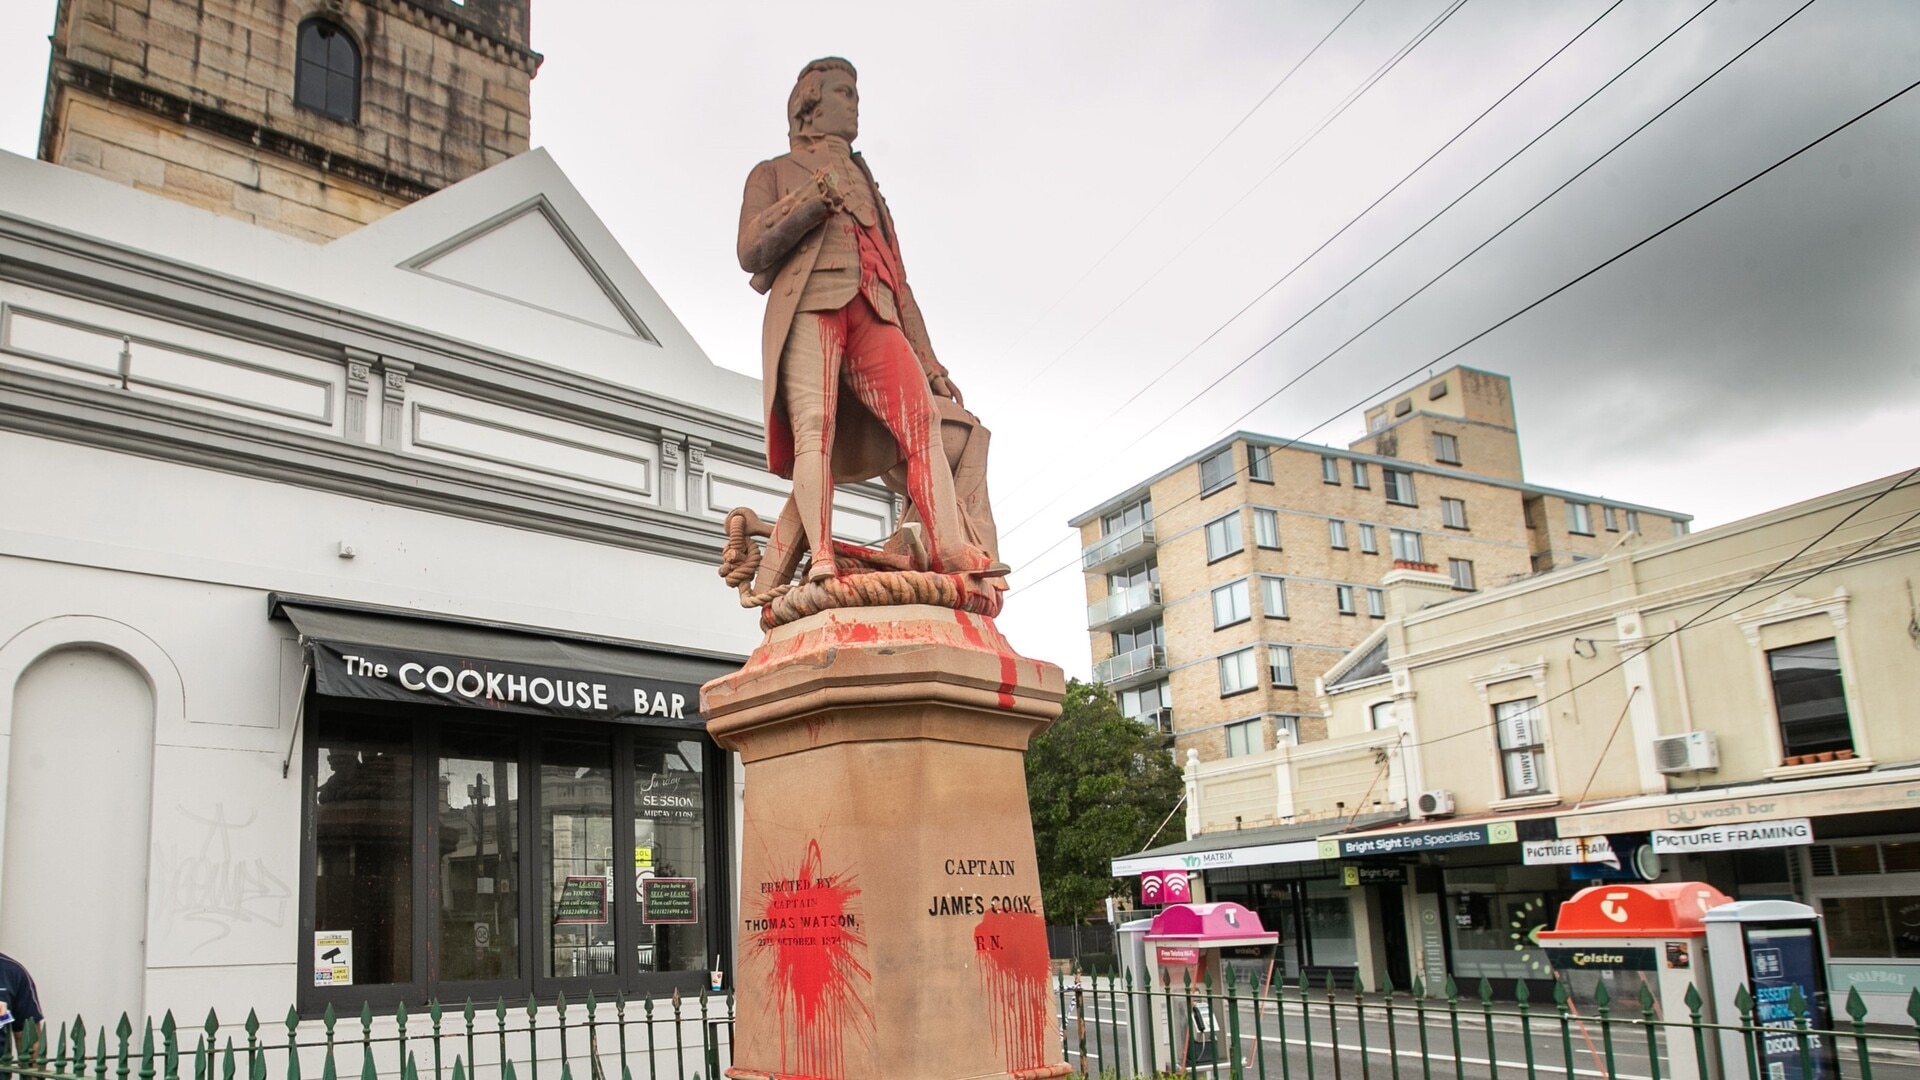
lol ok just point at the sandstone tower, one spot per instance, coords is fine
(312, 117)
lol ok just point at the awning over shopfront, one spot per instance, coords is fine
(1747, 804)
(1241, 847)
(386, 655)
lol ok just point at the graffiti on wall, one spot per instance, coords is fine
(214, 887)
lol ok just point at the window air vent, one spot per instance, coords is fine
(1820, 857)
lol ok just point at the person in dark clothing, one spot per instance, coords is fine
(19, 998)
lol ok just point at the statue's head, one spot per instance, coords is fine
(825, 100)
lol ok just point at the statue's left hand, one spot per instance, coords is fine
(943, 387)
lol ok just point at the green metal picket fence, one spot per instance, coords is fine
(1114, 1029)
(652, 1039)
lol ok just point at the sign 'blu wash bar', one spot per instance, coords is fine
(376, 673)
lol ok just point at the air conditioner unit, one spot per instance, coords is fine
(1686, 753)
(1435, 803)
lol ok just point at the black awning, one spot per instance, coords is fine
(382, 656)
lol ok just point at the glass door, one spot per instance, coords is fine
(669, 853)
(479, 855)
(576, 858)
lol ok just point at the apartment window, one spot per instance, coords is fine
(1280, 665)
(1406, 545)
(1453, 513)
(1237, 672)
(1244, 738)
(1260, 463)
(1343, 598)
(1216, 471)
(1611, 518)
(1403, 407)
(326, 74)
(1122, 580)
(1437, 390)
(1376, 603)
(1337, 533)
(1273, 597)
(1150, 705)
(1329, 470)
(1461, 571)
(1360, 477)
(1810, 699)
(1522, 747)
(1633, 521)
(1223, 537)
(1399, 486)
(1380, 715)
(1139, 637)
(1230, 604)
(1580, 519)
(1446, 448)
(1127, 517)
(1368, 544)
(1266, 528)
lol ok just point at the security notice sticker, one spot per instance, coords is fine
(333, 958)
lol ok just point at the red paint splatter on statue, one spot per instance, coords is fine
(1012, 947)
(1009, 660)
(811, 927)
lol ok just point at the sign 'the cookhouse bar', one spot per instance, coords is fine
(519, 807)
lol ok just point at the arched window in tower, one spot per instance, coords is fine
(327, 73)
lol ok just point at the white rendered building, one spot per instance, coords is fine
(354, 597)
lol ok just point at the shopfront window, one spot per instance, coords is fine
(479, 854)
(456, 855)
(1494, 913)
(363, 847)
(1329, 923)
(1873, 926)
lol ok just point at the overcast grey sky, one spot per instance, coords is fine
(1766, 351)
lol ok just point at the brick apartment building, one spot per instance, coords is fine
(1221, 588)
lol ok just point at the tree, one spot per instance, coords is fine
(1098, 785)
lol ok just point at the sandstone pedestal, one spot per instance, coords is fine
(890, 918)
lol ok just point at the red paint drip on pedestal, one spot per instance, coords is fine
(817, 980)
(1012, 948)
(1009, 660)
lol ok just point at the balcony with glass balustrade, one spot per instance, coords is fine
(1124, 605)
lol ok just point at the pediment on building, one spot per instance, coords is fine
(515, 259)
(518, 233)
(528, 255)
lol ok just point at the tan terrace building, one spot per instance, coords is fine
(1220, 589)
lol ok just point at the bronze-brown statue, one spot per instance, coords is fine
(853, 389)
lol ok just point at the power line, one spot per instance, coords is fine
(1157, 425)
(1700, 619)
(1168, 194)
(1663, 230)
(1352, 97)
(1563, 186)
(1351, 222)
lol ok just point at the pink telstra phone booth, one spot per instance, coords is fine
(1633, 934)
(1184, 944)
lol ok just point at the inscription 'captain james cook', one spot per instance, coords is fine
(973, 903)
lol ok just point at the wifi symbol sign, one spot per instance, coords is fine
(1175, 888)
(1153, 887)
